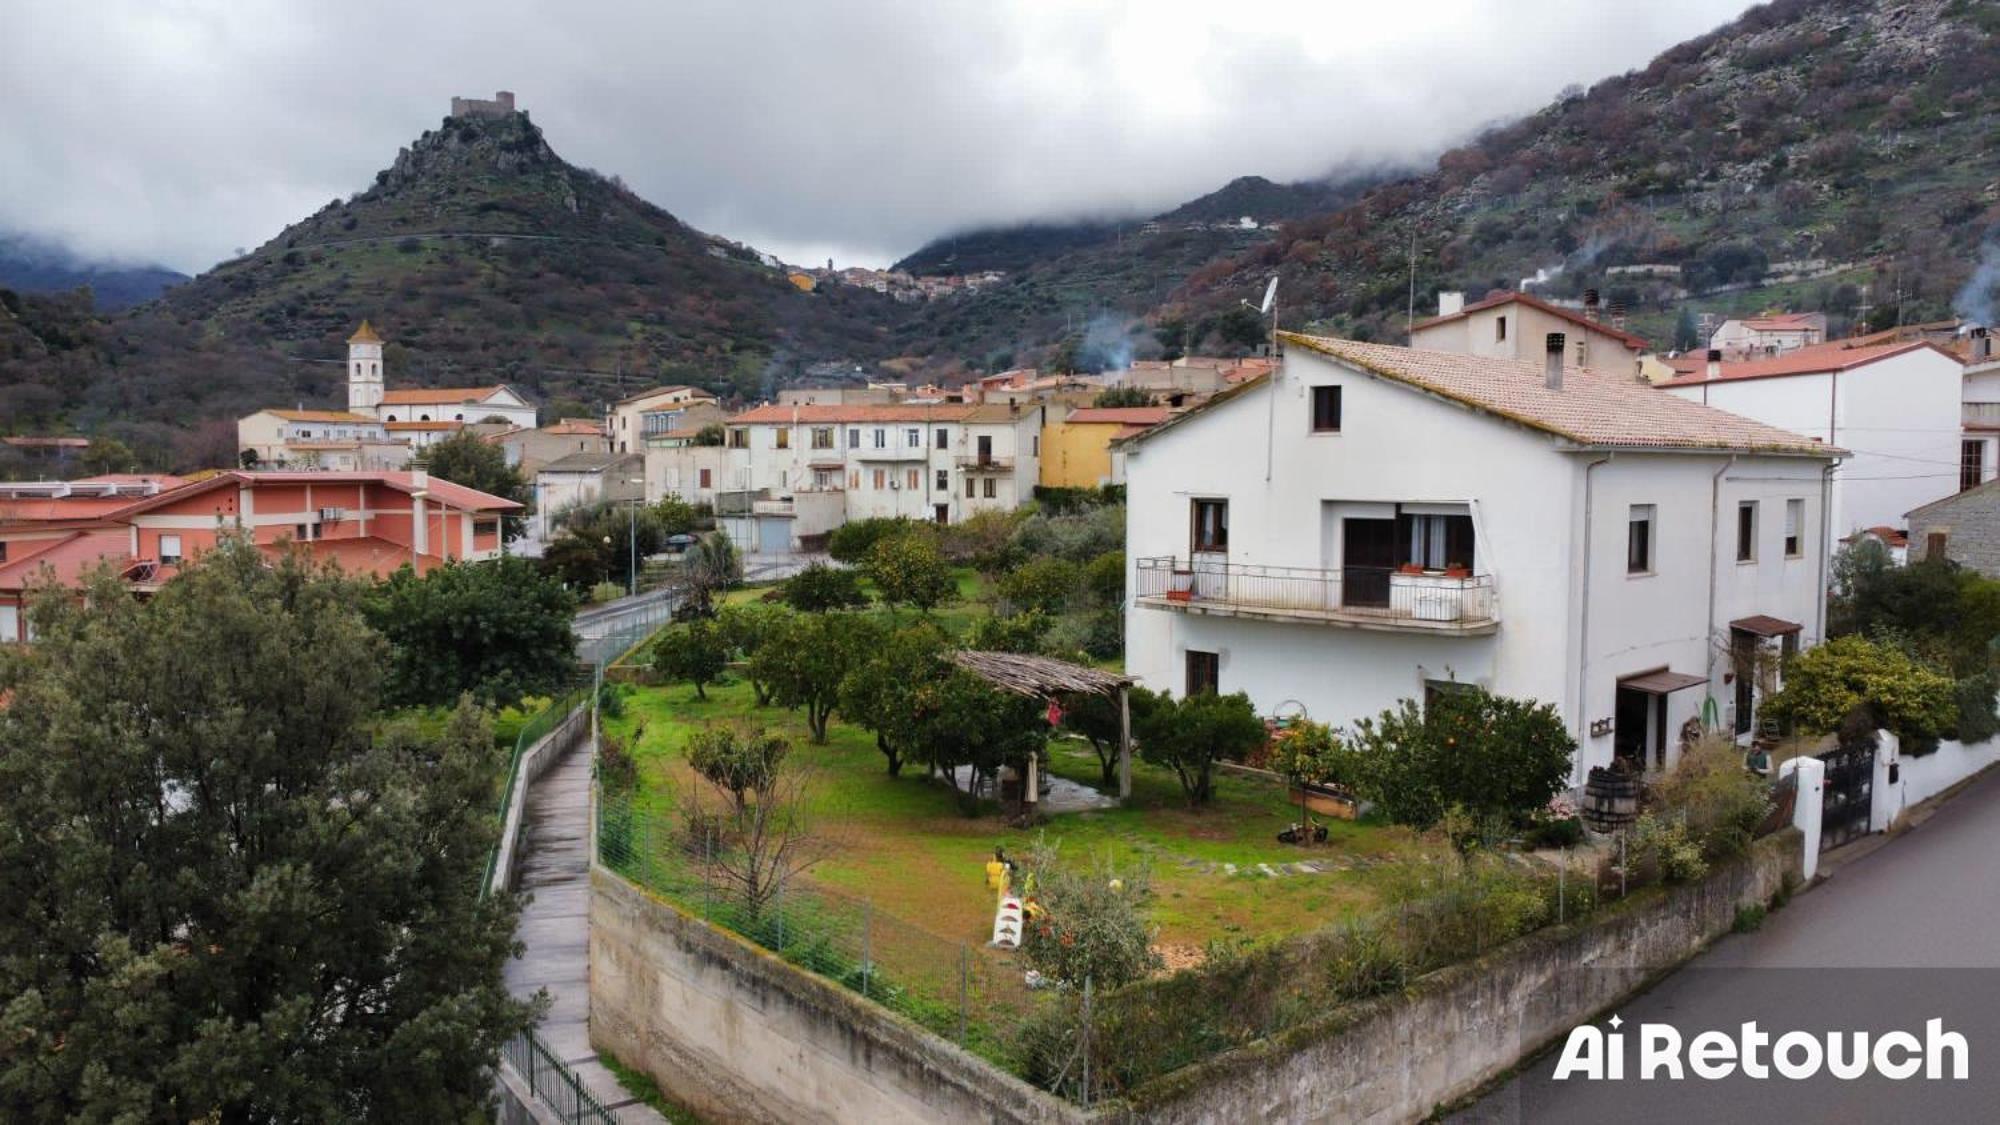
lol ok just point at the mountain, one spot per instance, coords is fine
(29, 265)
(1087, 287)
(1812, 154)
(483, 257)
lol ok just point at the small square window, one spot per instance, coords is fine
(170, 550)
(1326, 410)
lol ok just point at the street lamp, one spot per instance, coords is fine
(632, 537)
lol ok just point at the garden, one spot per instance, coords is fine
(818, 766)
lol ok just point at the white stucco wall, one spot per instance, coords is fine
(1527, 498)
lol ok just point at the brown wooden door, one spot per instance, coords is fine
(1367, 556)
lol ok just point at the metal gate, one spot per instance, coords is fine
(1850, 788)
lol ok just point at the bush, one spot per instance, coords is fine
(852, 542)
(1104, 579)
(1824, 685)
(1190, 735)
(907, 570)
(1488, 754)
(1079, 538)
(1554, 832)
(1020, 632)
(983, 540)
(1665, 849)
(1096, 635)
(1044, 584)
(820, 587)
(1975, 696)
(1720, 802)
(1089, 924)
(606, 592)
(1749, 918)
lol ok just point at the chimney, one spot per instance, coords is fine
(1553, 362)
(1450, 301)
(1982, 345)
(1715, 363)
(1590, 304)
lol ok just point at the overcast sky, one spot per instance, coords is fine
(177, 130)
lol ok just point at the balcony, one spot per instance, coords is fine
(987, 464)
(894, 451)
(1373, 598)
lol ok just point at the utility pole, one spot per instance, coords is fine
(1410, 315)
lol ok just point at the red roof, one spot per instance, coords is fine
(415, 395)
(571, 427)
(781, 414)
(454, 495)
(1120, 415)
(1636, 343)
(1812, 360)
(357, 555)
(70, 556)
(1781, 322)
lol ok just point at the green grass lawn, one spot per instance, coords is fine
(903, 843)
(954, 617)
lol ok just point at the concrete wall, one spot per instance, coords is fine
(1399, 1058)
(736, 1034)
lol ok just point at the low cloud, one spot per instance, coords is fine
(176, 132)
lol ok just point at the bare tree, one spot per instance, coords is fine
(750, 812)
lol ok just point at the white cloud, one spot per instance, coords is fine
(176, 131)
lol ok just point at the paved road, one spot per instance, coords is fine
(1907, 932)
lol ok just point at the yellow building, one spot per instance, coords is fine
(1076, 450)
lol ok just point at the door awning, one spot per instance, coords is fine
(1764, 625)
(1662, 682)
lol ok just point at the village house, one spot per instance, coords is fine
(1512, 326)
(528, 450)
(1979, 423)
(582, 479)
(1077, 443)
(363, 437)
(1762, 337)
(1963, 527)
(634, 419)
(369, 523)
(1372, 523)
(1896, 409)
(789, 474)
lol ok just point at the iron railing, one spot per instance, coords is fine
(552, 1083)
(1365, 592)
(985, 464)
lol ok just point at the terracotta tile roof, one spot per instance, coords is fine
(1120, 415)
(455, 495)
(422, 426)
(414, 396)
(781, 414)
(318, 416)
(356, 555)
(1636, 343)
(70, 557)
(697, 392)
(1892, 536)
(1591, 408)
(1781, 322)
(1813, 359)
(571, 427)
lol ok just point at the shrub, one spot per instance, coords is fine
(1975, 695)
(1079, 537)
(852, 542)
(606, 592)
(1487, 753)
(1749, 918)
(1554, 832)
(1104, 578)
(1089, 924)
(1664, 848)
(820, 587)
(1020, 632)
(983, 540)
(1824, 685)
(1720, 802)
(1045, 584)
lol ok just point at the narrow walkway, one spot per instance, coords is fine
(555, 926)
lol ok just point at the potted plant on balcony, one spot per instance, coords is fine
(1180, 586)
(1458, 570)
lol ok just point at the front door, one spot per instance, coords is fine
(943, 512)
(1628, 731)
(1743, 656)
(1367, 556)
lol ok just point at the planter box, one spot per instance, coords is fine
(1326, 802)
(1427, 597)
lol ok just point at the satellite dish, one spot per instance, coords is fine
(1270, 295)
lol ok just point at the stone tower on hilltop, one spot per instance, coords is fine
(364, 371)
(501, 105)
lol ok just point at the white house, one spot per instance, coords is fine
(1767, 336)
(1374, 523)
(585, 478)
(1980, 418)
(818, 466)
(324, 439)
(633, 420)
(1895, 408)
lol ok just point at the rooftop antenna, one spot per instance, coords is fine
(1270, 308)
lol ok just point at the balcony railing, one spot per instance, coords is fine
(972, 463)
(1358, 596)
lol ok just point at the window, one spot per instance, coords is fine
(914, 480)
(991, 488)
(10, 624)
(1034, 445)
(881, 438)
(913, 438)
(1795, 518)
(739, 438)
(1971, 462)
(854, 479)
(853, 439)
(1746, 531)
(1639, 540)
(1436, 542)
(943, 480)
(971, 487)
(943, 442)
(1500, 330)
(1211, 525)
(3, 550)
(784, 438)
(823, 479)
(1435, 690)
(170, 549)
(881, 479)
(1204, 672)
(822, 437)
(1326, 410)
(705, 477)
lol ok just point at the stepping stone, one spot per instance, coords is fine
(1229, 869)
(1306, 868)
(1266, 869)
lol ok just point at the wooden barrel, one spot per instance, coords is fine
(1610, 800)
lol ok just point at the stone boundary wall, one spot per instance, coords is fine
(566, 736)
(737, 1034)
(1400, 1058)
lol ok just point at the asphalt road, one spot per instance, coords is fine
(1906, 933)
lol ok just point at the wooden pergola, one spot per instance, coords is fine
(1045, 677)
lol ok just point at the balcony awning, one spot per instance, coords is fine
(1764, 625)
(1662, 682)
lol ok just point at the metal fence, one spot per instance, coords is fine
(971, 994)
(552, 1083)
(604, 637)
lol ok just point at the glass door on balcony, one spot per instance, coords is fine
(1367, 555)
(985, 449)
